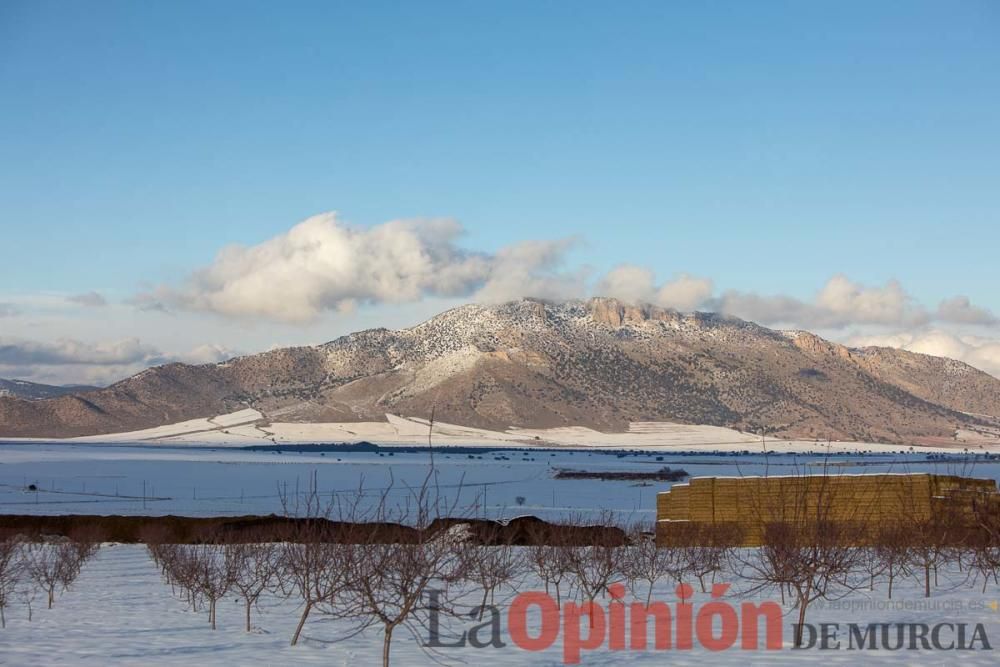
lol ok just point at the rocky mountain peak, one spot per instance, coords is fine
(601, 363)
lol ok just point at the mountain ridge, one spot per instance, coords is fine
(37, 390)
(599, 363)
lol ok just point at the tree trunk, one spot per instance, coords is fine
(302, 622)
(927, 580)
(211, 612)
(802, 621)
(248, 614)
(386, 644)
(482, 607)
(803, 603)
(52, 594)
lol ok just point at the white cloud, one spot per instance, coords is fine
(88, 299)
(638, 284)
(67, 351)
(207, 354)
(531, 268)
(848, 302)
(322, 264)
(684, 292)
(959, 310)
(9, 310)
(981, 352)
(770, 310)
(628, 282)
(839, 303)
(68, 361)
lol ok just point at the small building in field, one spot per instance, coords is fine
(742, 507)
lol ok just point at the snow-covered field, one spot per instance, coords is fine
(163, 479)
(250, 427)
(119, 612)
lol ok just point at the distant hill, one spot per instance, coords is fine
(599, 363)
(33, 391)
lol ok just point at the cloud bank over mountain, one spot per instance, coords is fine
(324, 264)
(72, 361)
(978, 351)
(324, 273)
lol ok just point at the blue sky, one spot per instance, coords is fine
(766, 147)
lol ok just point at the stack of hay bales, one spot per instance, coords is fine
(865, 501)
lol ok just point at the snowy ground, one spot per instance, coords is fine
(120, 613)
(162, 479)
(250, 427)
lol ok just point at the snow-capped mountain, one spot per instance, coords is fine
(599, 363)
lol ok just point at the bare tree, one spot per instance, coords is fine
(378, 565)
(27, 591)
(892, 549)
(177, 570)
(809, 546)
(86, 542)
(394, 579)
(201, 571)
(813, 561)
(391, 572)
(312, 562)
(491, 567)
(932, 539)
(391, 582)
(551, 564)
(648, 563)
(704, 549)
(52, 567)
(211, 575)
(11, 567)
(315, 570)
(595, 567)
(984, 542)
(252, 570)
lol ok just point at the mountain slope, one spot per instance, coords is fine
(528, 363)
(35, 390)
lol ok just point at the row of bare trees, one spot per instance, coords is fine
(202, 574)
(29, 569)
(367, 578)
(366, 571)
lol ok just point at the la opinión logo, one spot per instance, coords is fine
(716, 625)
(535, 621)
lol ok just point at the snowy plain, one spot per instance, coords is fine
(250, 427)
(144, 479)
(120, 612)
